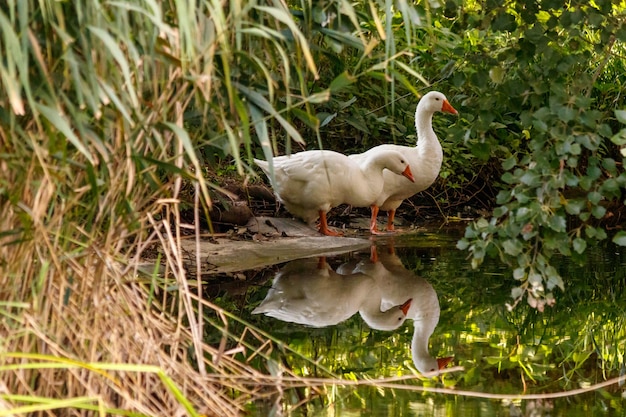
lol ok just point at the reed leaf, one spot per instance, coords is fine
(108, 111)
(61, 123)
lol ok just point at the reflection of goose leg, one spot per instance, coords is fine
(373, 254)
(321, 262)
(391, 250)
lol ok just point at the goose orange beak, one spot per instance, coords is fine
(443, 362)
(407, 173)
(447, 108)
(405, 307)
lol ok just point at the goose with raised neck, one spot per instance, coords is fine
(425, 159)
(398, 283)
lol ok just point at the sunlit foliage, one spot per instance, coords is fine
(109, 108)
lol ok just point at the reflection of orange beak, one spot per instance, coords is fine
(407, 173)
(443, 362)
(405, 307)
(447, 107)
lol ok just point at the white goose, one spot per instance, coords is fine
(398, 283)
(425, 159)
(310, 183)
(309, 292)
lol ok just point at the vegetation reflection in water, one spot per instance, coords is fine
(577, 343)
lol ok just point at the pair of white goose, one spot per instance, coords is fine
(310, 183)
(381, 290)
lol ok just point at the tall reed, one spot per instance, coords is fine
(105, 107)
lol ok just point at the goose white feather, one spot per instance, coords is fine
(309, 292)
(425, 159)
(310, 183)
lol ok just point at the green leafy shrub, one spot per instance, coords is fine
(563, 176)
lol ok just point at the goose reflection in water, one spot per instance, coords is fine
(380, 289)
(397, 283)
(309, 292)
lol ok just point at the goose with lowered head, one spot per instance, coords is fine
(310, 183)
(425, 159)
(307, 291)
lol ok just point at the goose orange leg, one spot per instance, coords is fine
(323, 228)
(373, 227)
(391, 214)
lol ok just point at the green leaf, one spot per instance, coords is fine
(620, 238)
(284, 16)
(530, 178)
(358, 123)
(580, 245)
(621, 116)
(535, 279)
(558, 223)
(342, 39)
(500, 211)
(60, 122)
(574, 207)
(535, 34)
(259, 100)
(319, 15)
(566, 114)
(555, 281)
(609, 164)
(482, 224)
(411, 71)
(325, 118)
(512, 247)
(308, 119)
(509, 163)
(610, 185)
(594, 197)
(113, 47)
(320, 97)
(619, 138)
(598, 212)
(183, 136)
(260, 126)
(342, 80)
(504, 22)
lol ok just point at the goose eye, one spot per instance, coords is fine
(432, 370)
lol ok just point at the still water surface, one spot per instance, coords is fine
(345, 316)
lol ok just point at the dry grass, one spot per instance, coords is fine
(88, 333)
(93, 151)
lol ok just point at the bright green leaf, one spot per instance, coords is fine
(620, 238)
(580, 245)
(621, 116)
(512, 247)
(57, 119)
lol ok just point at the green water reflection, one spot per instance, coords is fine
(578, 342)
